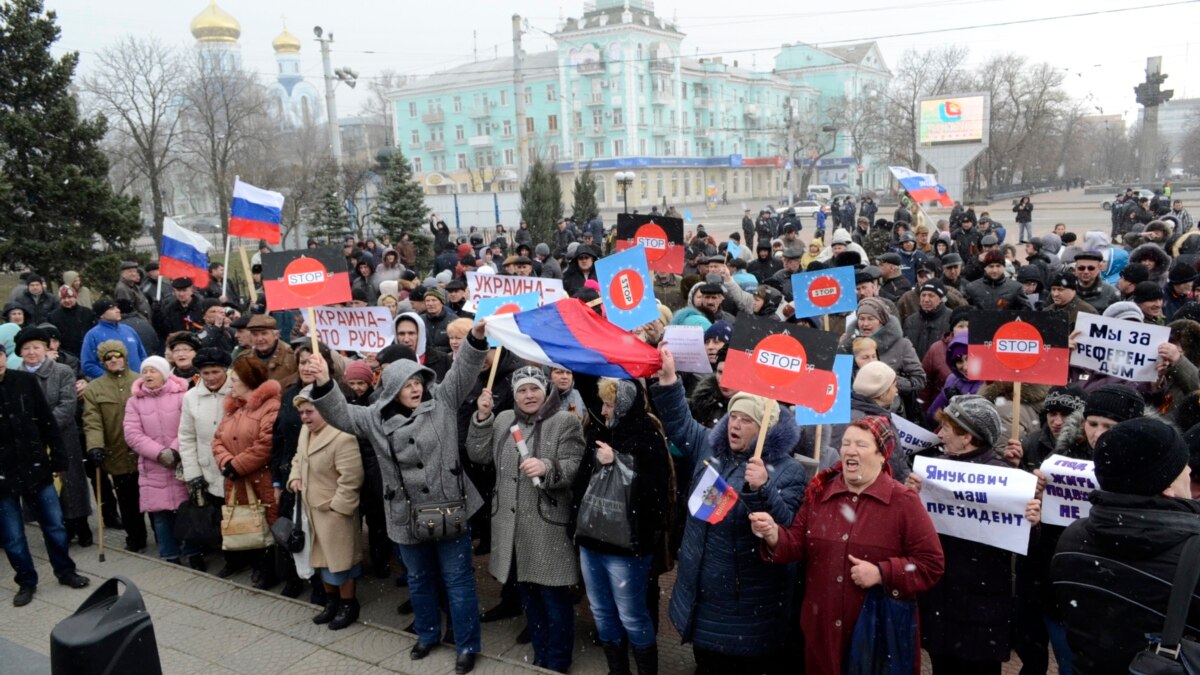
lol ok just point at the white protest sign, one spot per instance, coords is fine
(355, 329)
(911, 437)
(687, 346)
(977, 502)
(502, 285)
(1068, 484)
(1123, 349)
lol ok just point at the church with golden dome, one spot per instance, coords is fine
(294, 101)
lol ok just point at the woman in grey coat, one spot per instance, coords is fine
(57, 382)
(532, 507)
(413, 427)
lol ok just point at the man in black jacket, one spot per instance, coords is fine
(27, 429)
(748, 228)
(1113, 571)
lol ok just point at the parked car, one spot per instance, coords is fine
(806, 208)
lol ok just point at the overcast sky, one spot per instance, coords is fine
(1104, 54)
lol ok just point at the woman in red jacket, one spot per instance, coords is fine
(857, 528)
(242, 448)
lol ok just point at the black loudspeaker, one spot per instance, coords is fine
(110, 633)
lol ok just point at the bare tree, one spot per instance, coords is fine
(355, 180)
(137, 85)
(226, 120)
(377, 106)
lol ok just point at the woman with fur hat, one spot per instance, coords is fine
(746, 630)
(889, 541)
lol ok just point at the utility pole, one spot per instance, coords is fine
(1151, 96)
(519, 100)
(335, 136)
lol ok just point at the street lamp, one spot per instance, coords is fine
(625, 179)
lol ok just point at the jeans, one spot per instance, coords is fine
(164, 533)
(54, 533)
(452, 557)
(1025, 231)
(551, 617)
(1062, 650)
(616, 589)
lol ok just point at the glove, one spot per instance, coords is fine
(230, 472)
(197, 485)
(96, 456)
(166, 458)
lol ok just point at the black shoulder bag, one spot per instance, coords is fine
(1171, 653)
(434, 521)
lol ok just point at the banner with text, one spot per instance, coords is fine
(355, 329)
(501, 286)
(977, 502)
(911, 437)
(1124, 349)
(687, 346)
(1068, 484)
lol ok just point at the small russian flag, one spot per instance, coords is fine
(713, 498)
(184, 254)
(256, 213)
(922, 187)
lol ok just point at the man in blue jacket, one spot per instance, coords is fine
(109, 327)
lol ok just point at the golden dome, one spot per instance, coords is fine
(213, 24)
(286, 43)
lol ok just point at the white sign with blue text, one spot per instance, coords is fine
(977, 502)
(1123, 349)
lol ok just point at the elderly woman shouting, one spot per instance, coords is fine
(532, 507)
(414, 430)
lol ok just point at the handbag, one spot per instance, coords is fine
(198, 522)
(604, 512)
(303, 556)
(884, 641)
(287, 531)
(244, 526)
(1171, 653)
(434, 521)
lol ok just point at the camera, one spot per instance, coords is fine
(228, 311)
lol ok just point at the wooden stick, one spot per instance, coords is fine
(312, 331)
(817, 446)
(825, 322)
(100, 512)
(768, 410)
(225, 280)
(1015, 432)
(249, 276)
(495, 367)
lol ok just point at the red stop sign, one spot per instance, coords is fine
(626, 290)
(779, 360)
(305, 277)
(654, 238)
(1017, 345)
(824, 292)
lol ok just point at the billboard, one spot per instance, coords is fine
(950, 120)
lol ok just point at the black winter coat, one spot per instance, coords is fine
(27, 429)
(72, 325)
(923, 329)
(1004, 293)
(1113, 573)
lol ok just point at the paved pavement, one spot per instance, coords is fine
(210, 626)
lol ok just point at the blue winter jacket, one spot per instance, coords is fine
(105, 330)
(726, 598)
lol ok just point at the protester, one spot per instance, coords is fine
(201, 414)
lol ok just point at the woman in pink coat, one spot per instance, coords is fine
(152, 431)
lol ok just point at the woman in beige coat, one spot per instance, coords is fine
(327, 471)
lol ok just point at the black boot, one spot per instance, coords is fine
(646, 660)
(347, 614)
(617, 654)
(331, 610)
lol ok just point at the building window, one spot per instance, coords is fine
(530, 127)
(529, 98)
(481, 129)
(551, 93)
(412, 109)
(598, 149)
(578, 150)
(618, 148)
(645, 185)
(554, 152)
(416, 165)
(461, 160)
(416, 137)
(687, 185)
(578, 117)
(552, 122)
(503, 97)
(598, 117)
(509, 157)
(746, 183)
(659, 184)
(683, 90)
(735, 182)
(458, 133)
(508, 127)
(687, 148)
(618, 118)
(674, 184)
(642, 147)
(457, 104)
(642, 116)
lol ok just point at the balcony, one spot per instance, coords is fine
(663, 98)
(591, 67)
(596, 131)
(414, 145)
(704, 132)
(481, 111)
(662, 66)
(660, 129)
(596, 98)
(434, 117)
(480, 141)
(460, 141)
(702, 103)
(435, 146)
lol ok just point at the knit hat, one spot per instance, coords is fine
(960, 314)
(111, 347)
(1068, 399)
(436, 292)
(358, 370)
(873, 307)
(1147, 291)
(993, 258)
(102, 305)
(1140, 456)
(529, 375)
(976, 415)
(1116, 402)
(721, 330)
(1181, 273)
(1128, 311)
(66, 292)
(753, 407)
(158, 363)
(1064, 279)
(934, 286)
(1136, 273)
(874, 379)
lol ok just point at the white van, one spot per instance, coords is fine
(822, 193)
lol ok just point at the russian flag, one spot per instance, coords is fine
(713, 498)
(568, 334)
(255, 213)
(921, 187)
(184, 254)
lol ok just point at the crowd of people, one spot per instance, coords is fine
(413, 461)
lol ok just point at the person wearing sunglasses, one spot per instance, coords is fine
(1090, 287)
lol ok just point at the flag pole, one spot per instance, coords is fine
(1015, 432)
(249, 276)
(768, 410)
(312, 329)
(228, 244)
(817, 446)
(495, 367)
(158, 293)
